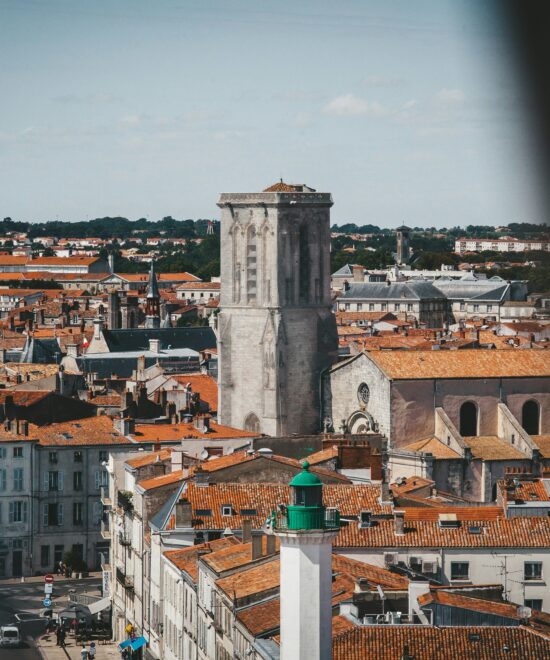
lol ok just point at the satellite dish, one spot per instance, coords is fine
(204, 454)
(524, 612)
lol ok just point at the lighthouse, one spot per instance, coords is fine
(305, 529)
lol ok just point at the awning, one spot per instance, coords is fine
(124, 644)
(138, 643)
(99, 605)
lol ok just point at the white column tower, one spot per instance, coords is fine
(305, 530)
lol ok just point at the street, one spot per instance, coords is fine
(21, 604)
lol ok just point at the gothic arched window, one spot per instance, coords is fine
(251, 264)
(252, 423)
(304, 265)
(530, 416)
(468, 419)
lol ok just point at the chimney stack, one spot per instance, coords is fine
(256, 545)
(399, 517)
(184, 516)
(247, 530)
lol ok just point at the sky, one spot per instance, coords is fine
(404, 111)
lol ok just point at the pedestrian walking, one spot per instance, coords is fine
(62, 638)
(91, 652)
(58, 637)
(84, 653)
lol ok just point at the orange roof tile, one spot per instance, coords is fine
(186, 559)
(262, 579)
(322, 456)
(192, 286)
(163, 480)
(148, 459)
(427, 642)
(204, 385)
(492, 448)
(454, 599)
(171, 432)
(530, 491)
(235, 556)
(543, 443)
(433, 446)
(466, 363)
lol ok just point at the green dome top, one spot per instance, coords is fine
(305, 478)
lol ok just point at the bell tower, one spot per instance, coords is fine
(276, 329)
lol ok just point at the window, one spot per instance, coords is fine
(371, 307)
(103, 456)
(363, 393)
(384, 307)
(396, 307)
(52, 457)
(53, 480)
(359, 307)
(18, 452)
(346, 307)
(532, 570)
(78, 457)
(2, 480)
(530, 415)
(77, 513)
(44, 556)
(462, 307)
(468, 419)
(101, 479)
(534, 603)
(2, 452)
(227, 510)
(77, 480)
(18, 479)
(489, 308)
(58, 553)
(18, 511)
(52, 514)
(460, 570)
(476, 308)
(409, 307)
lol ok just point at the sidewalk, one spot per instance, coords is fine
(49, 651)
(58, 579)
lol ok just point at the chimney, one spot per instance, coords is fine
(346, 285)
(358, 273)
(184, 517)
(25, 428)
(247, 530)
(256, 545)
(154, 345)
(73, 350)
(270, 544)
(111, 262)
(2, 355)
(399, 517)
(98, 328)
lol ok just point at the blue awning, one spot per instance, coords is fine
(138, 643)
(124, 644)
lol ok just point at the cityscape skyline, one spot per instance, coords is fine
(105, 130)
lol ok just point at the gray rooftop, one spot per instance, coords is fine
(416, 290)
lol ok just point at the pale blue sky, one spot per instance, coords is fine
(405, 110)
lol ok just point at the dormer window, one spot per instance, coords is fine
(227, 510)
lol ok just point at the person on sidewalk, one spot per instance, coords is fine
(84, 653)
(58, 636)
(62, 638)
(91, 652)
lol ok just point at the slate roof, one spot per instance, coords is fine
(345, 271)
(394, 291)
(41, 351)
(465, 289)
(137, 339)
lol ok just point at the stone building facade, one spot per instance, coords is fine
(276, 330)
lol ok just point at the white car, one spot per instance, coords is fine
(9, 636)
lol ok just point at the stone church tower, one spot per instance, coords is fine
(276, 329)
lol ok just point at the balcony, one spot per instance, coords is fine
(127, 581)
(105, 529)
(104, 496)
(307, 518)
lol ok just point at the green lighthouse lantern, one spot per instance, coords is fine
(306, 510)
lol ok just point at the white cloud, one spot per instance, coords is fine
(131, 120)
(383, 81)
(448, 96)
(349, 105)
(409, 105)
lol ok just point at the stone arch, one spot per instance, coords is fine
(530, 417)
(252, 423)
(468, 419)
(360, 422)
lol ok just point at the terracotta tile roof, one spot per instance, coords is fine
(374, 574)
(430, 643)
(236, 458)
(432, 446)
(530, 491)
(163, 480)
(341, 624)
(466, 363)
(8, 260)
(205, 385)
(24, 397)
(348, 317)
(262, 579)
(148, 459)
(280, 186)
(171, 432)
(543, 443)
(491, 448)
(262, 618)
(107, 400)
(63, 261)
(454, 599)
(186, 559)
(471, 512)
(517, 532)
(322, 456)
(235, 556)
(264, 498)
(80, 432)
(410, 485)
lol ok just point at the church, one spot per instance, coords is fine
(279, 373)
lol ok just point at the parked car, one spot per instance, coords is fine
(9, 636)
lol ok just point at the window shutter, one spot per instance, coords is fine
(0, 512)
(97, 479)
(12, 510)
(60, 514)
(46, 481)
(60, 480)
(25, 507)
(2, 480)
(45, 514)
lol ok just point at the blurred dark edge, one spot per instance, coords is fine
(527, 23)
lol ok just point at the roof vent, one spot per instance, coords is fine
(265, 451)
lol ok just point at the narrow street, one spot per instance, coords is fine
(21, 604)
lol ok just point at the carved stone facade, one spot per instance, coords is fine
(276, 330)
